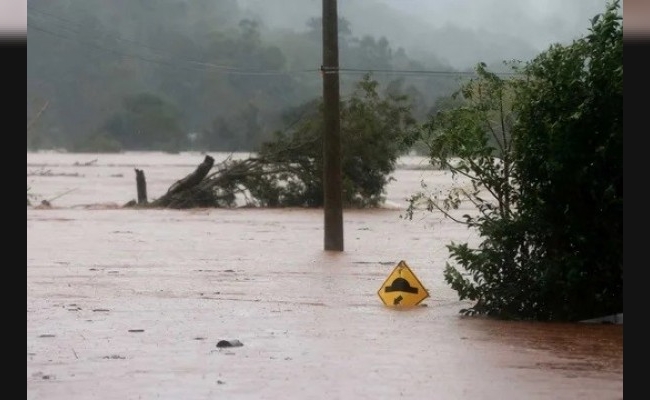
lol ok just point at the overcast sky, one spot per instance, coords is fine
(459, 32)
(539, 22)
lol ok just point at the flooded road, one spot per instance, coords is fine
(129, 304)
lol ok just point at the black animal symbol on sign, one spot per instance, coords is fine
(401, 285)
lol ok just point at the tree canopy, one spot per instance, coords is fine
(543, 153)
(229, 77)
(287, 171)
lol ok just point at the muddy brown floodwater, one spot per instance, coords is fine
(130, 304)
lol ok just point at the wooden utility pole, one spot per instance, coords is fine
(332, 187)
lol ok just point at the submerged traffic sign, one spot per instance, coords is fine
(402, 288)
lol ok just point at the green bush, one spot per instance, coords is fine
(570, 160)
(375, 130)
(543, 152)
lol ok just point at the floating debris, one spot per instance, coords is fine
(229, 343)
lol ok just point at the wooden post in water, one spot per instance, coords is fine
(332, 186)
(142, 186)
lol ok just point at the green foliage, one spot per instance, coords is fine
(474, 141)
(237, 135)
(375, 130)
(551, 167)
(472, 137)
(146, 122)
(570, 161)
(216, 66)
(98, 143)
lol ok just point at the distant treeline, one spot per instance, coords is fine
(174, 75)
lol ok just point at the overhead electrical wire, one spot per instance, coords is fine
(203, 66)
(190, 64)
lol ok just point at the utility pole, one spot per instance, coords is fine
(332, 187)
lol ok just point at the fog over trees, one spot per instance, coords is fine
(461, 32)
(223, 75)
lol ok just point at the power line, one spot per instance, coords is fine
(417, 72)
(92, 45)
(208, 66)
(69, 22)
(203, 66)
(139, 56)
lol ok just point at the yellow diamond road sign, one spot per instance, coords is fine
(402, 288)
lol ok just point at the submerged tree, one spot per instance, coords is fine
(569, 145)
(288, 171)
(474, 141)
(551, 223)
(375, 131)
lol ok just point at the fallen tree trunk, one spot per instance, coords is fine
(194, 178)
(175, 196)
(228, 184)
(254, 181)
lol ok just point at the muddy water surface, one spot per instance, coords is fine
(129, 304)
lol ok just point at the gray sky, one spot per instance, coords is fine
(539, 22)
(13, 16)
(461, 32)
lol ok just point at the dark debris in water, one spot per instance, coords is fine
(114, 357)
(375, 262)
(229, 343)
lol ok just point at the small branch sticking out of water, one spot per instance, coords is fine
(85, 164)
(61, 195)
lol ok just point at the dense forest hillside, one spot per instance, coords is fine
(213, 74)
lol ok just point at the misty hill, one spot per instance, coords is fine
(459, 33)
(226, 73)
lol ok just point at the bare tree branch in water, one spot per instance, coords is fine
(287, 171)
(220, 184)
